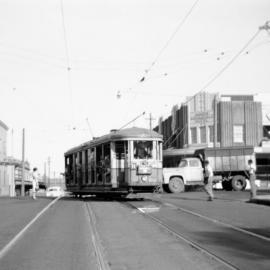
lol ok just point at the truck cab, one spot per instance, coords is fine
(188, 172)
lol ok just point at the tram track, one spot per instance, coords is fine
(182, 237)
(216, 221)
(101, 261)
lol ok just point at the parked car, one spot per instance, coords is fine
(54, 191)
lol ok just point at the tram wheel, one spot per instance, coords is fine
(176, 185)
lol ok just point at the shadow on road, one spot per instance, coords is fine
(233, 246)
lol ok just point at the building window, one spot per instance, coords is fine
(193, 132)
(238, 133)
(203, 134)
(211, 134)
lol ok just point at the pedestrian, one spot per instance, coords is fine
(34, 182)
(251, 171)
(208, 180)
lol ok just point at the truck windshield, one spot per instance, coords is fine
(143, 149)
(183, 163)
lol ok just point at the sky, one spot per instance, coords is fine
(62, 64)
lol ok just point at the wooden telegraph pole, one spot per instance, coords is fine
(23, 172)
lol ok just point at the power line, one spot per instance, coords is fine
(219, 73)
(65, 35)
(180, 24)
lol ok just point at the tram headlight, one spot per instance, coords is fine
(144, 178)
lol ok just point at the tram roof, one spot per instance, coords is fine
(122, 134)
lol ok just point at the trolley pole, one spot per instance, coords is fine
(23, 153)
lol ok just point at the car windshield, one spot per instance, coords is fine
(143, 149)
(183, 163)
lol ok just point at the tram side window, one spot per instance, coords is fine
(69, 169)
(143, 149)
(86, 166)
(93, 165)
(121, 149)
(99, 159)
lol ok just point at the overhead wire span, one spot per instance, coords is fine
(68, 64)
(219, 73)
(180, 24)
(65, 35)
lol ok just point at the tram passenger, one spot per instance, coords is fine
(251, 169)
(208, 180)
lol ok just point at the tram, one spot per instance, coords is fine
(121, 162)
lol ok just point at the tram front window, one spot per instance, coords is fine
(143, 149)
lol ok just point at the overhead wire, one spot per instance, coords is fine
(68, 63)
(180, 24)
(220, 72)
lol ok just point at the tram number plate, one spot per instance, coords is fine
(144, 170)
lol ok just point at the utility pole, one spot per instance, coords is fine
(45, 171)
(150, 121)
(23, 153)
(49, 171)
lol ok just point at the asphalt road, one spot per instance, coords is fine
(60, 239)
(143, 234)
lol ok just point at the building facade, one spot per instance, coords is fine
(210, 120)
(3, 140)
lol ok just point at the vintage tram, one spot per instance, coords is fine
(121, 162)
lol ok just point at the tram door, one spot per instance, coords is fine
(107, 163)
(103, 161)
(120, 161)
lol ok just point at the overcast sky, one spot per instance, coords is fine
(108, 45)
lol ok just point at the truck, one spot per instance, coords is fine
(229, 167)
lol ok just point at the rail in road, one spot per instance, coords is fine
(233, 248)
(172, 217)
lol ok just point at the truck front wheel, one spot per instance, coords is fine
(176, 185)
(239, 182)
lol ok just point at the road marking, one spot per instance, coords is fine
(188, 241)
(13, 241)
(148, 209)
(219, 222)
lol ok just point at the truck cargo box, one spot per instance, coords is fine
(227, 159)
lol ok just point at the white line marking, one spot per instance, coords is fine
(190, 242)
(13, 241)
(148, 209)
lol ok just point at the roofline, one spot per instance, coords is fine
(113, 136)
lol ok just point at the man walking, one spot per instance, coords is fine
(208, 180)
(252, 176)
(34, 182)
